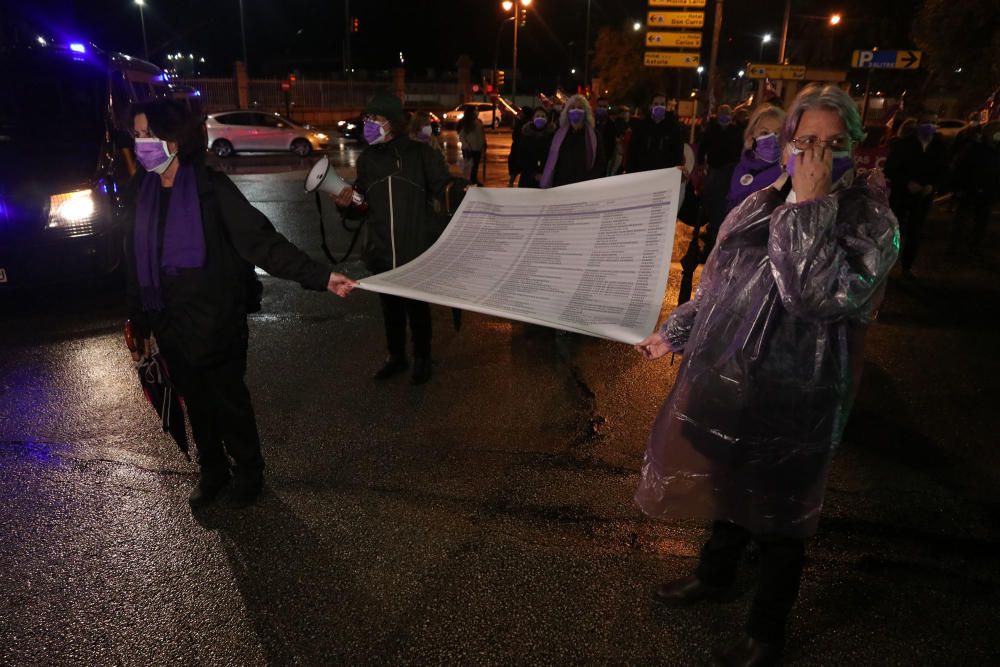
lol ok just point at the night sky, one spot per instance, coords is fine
(308, 35)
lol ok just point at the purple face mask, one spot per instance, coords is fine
(153, 155)
(725, 119)
(766, 148)
(576, 115)
(925, 131)
(374, 132)
(540, 122)
(842, 163)
(659, 112)
(602, 112)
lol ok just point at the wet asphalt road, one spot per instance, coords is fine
(485, 518)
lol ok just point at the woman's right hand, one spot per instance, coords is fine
(652, 347)
(343, 200)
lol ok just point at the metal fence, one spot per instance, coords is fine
(220, 94)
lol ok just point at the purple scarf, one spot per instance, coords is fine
(557, 140)
(751, 174)
(183, 235)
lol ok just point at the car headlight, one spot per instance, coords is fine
(73, 212)
(341, 123)
(351, 126)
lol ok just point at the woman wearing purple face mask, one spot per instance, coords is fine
(773, 350)
(760, 164)
(192, 241)
(657, 141)
(536, 138)
(575, 154)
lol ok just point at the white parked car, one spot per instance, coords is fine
(949, 128)
(486, 115)
(231, 131)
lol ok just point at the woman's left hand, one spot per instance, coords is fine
(340, 285)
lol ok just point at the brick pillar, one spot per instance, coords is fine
(464, 79)
(242, 84)
(399, 83)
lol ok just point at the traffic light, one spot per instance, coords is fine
(355, 25)
(500, 78)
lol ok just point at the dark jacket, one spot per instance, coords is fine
(571, 164)
(400, 181)
(204, 318)
(976, 169)
(655, 145)
(720, 146)
(909, 161)
(532, 153)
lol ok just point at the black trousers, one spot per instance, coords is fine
(476, 158)
(976, 205)
(781, 561)
(911, 211)
(396, 311)
(221, 414)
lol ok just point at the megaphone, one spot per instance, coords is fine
(324, 178)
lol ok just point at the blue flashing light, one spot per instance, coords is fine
(196, 93)
(77, 47)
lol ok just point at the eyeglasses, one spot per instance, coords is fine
(836, 144)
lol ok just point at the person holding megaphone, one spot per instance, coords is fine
(397, 182)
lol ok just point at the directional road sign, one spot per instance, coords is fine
(681, 40)
(671, 59)
(675, 19)
(778, 72)
(886, 59)
(676, 3)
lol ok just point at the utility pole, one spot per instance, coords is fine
(713, 72)
(586, 52)
(784, 32)
(517, 24)
(243, 33)
(347, 36)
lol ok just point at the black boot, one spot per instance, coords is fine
(421, 370)
(689, 590)
(209, 485)
(750, 652)
(247, 487)
(392, 366)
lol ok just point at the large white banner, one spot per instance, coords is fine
(591, 258)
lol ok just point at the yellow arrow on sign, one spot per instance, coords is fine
(675, 19)
(768, 71)
(676, 3)
(908, 59)
(682, 40)
(671, 59)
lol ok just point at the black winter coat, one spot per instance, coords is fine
(909, 161)
(655, 145)
(205, 315)
(400, 180)
(533, 152)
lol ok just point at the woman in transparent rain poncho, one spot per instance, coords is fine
(773, 349)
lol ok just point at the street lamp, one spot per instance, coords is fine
(764, 40)
(835, 19)
(517, 7)
(637, 26)
(142, 21)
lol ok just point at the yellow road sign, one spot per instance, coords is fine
(681, 40)
(671, 59)
(676, 3)
(675, 19)
(768, 71)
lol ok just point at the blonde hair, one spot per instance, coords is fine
(761, 113)
(579, 100)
